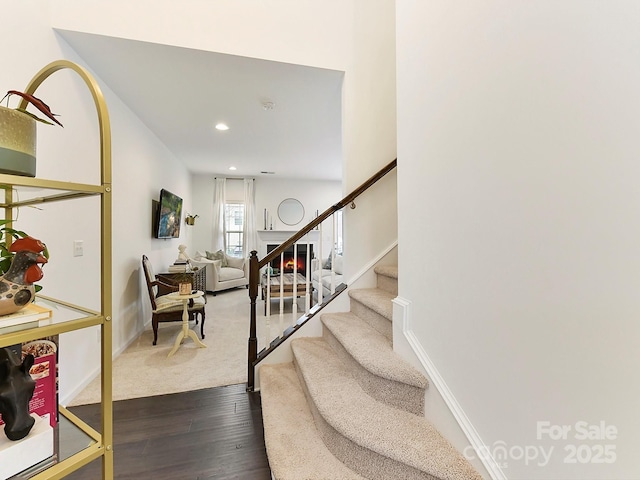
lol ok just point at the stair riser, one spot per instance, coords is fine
(396, 394)
(362, 460)
(377, 321)
(388, 284)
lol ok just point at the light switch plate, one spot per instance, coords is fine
(78, 248)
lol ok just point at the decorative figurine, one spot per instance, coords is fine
(16, 285)
(16, 390)
(183, 256)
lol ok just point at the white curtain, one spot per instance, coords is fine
(250, 235)
(219, 228)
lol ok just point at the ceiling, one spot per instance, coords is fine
(180, 94)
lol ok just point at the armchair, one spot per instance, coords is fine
(234, 274)
(165, 309)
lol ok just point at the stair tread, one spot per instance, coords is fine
(376, 299)
(393, 433)
(294, 446)
(371, 349)
(390, 271)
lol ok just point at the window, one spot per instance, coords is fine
(234, 221)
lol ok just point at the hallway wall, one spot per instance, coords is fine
(517, 131)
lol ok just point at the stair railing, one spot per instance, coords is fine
(277, 285)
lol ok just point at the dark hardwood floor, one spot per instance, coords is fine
(214, 433)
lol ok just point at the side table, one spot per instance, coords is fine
(186, 332)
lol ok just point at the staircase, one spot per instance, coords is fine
(348, 407)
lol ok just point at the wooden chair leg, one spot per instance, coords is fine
(202, 326)
(154, 324)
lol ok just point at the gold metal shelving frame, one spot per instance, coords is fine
(102, 443)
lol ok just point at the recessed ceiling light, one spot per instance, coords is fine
(232, 168)
(268, 173)
(222, 126)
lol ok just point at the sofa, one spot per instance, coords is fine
(222, 271)
(322, 278)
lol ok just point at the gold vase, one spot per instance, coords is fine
(17, 143)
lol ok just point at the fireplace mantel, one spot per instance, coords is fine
(279, 236)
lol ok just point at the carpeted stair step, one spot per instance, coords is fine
(374, 307)
(377, 441)
(370, 357)
(387, 278)
(294, 446)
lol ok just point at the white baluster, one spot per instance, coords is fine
(267, 320)
(268, 296)
(294, 307)
(307, 273)
(333, 253)
(281, 293)
(319, 293)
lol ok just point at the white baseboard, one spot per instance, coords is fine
(79, 387)
(402, 307)
(372, 263)
(95, 372)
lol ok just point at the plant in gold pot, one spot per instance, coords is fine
(18, 134)
(184, 280)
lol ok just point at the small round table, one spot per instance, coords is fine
(186, 332)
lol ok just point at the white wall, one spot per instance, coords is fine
(314, 195)
(355, 36)
(517, 132)
(141, 166)
(302, 32)
(369, 125)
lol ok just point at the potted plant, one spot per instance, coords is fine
(185, 282)
(18, 135)
(185, 279)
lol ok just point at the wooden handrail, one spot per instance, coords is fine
(327, 213)
(255, 265)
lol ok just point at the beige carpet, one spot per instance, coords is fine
(144, 370)
(353, 408)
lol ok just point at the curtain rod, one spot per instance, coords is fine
(235, 178)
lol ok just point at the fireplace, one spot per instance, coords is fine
(288, 260)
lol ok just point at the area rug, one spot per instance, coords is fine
(144, 370)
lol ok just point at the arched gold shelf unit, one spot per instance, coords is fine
(76, 317)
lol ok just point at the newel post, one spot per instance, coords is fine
(254, 280)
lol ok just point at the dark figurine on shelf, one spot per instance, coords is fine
(16, 390)
(16, 285)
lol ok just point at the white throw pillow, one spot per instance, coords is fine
(235, 262)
